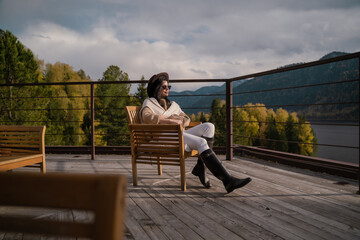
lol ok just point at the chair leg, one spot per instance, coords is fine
(159, 166)
(134, 171)
(182, 175)
(43, 166)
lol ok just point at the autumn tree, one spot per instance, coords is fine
(306, 137)
(252, 119)
(68, 104)
(255, 125)
(246, 127)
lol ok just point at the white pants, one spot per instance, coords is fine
(193, 137)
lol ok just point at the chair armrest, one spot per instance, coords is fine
(193, 124)
(155, 127)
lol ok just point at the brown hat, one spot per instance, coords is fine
(155, 82)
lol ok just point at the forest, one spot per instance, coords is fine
(65, 108)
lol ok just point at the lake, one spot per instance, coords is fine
(338, 135)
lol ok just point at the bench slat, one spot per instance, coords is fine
(16, 146)
(22, 129)
(7, 159)
(11, 151)
(13, 162)
(7, 133)
(17, 141)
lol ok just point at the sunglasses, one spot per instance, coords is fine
(165, 87)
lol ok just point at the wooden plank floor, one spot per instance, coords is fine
(280, 203)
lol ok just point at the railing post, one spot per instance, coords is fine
(359, 123)
(92, 122)
(229, 121)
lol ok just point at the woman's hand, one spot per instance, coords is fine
(176, 121)
(171, 121)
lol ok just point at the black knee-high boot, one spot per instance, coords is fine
(214, 165)
(199, 169)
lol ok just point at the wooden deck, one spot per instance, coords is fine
(280, 203)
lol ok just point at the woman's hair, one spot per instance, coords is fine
(154, 88)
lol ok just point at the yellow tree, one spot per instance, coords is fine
(67, 106)
(247, 128)
(280, 118)
(307, 137)
(257, 116)
(275, 130)
(260, 126)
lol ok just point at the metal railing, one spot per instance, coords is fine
(228, 95)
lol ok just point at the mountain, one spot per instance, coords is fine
(333, 54)
(324, 96)
(189, 100)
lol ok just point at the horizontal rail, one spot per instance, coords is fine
(297, 142)
(296, 87)
(299, 105)
(306, 123)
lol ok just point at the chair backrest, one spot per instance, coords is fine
(132, 113)
(104, 195)
(22, 139)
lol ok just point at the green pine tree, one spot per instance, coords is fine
(18, 65)
(292, 133)
(110, 102)
(276, 140)
(217, 117)
(141, 93)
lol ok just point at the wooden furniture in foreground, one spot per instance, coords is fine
(103, 195)
(22, 146)
(161, 144)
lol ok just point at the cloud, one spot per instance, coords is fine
(40, 36)
(100, 48)
(188, 39)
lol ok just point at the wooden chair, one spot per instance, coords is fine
(104, 195)
(161, 144)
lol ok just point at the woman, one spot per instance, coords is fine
(158, 109)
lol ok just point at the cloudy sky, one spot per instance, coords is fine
(188, 39)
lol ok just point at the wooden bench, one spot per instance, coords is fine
(96, 201)
(22, 146)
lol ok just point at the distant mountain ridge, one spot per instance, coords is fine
(322, 95)
(188, 99)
